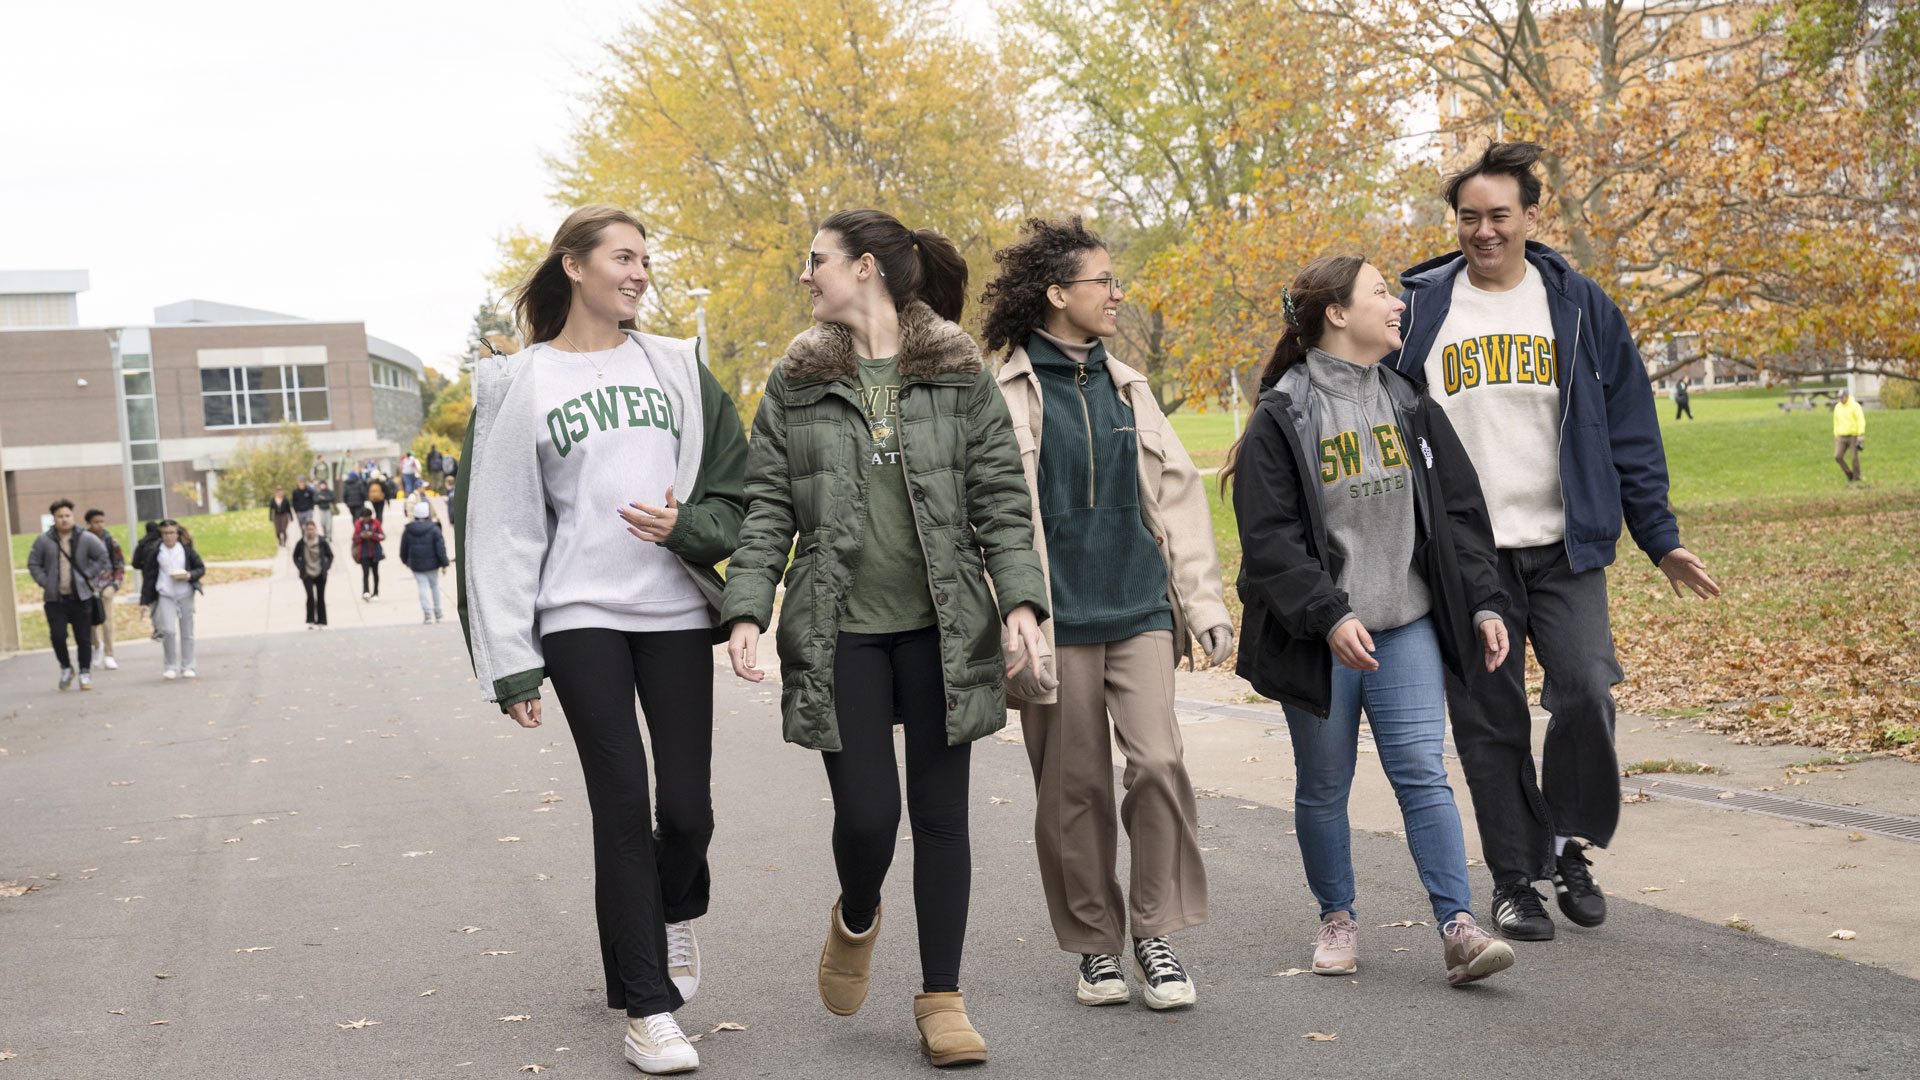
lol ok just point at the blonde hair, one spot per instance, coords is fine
(541, 302)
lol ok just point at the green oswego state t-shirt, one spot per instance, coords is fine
(890, 593)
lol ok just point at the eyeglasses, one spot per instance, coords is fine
(1112, 283)
(813, 260)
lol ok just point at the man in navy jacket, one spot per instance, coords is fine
(1539, 375)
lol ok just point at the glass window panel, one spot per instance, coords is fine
(146, 451)
(146, 474)
(256, 378)
(139, 383)
(216, 379)
(266, 409)
(313, 406)
(313, 376)
(135, 362)
(218, 410)
(150, 503)
(141, 424)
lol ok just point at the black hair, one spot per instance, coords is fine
(915, 264)
(91, 514)
(1016, 299)
(1515, 159)
(1322, 283)
(58, 504)
(153, 528)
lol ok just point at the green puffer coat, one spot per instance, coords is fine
(970, 506)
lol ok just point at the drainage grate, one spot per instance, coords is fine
(1806, 812)
(1896, 826)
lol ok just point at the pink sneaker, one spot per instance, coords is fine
(1472, 953)
(1336, 947)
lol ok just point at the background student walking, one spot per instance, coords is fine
(368, 549)
(1849, 434)
(170, 581)
(313, 560)
(1682, 400)
(613, 608)
(1122, 531)
(423, 548)
(106, 588)
(65, 561)
(280, 511)
(883, 447)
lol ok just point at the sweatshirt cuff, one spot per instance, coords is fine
(1484, 616)
(1342, 621)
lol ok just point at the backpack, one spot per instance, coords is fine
(376, 492)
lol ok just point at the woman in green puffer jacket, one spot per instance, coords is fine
(883, 447)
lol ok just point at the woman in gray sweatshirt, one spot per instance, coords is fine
(1367, 573)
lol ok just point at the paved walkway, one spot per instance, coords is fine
(327, 857)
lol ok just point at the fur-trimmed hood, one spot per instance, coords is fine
(930, 347)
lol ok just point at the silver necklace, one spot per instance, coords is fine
(599, 370)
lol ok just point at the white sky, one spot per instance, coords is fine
(341, 160)
(347, 159)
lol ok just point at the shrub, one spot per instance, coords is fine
(1900, 394)
(261, 463)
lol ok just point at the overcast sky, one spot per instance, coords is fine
(345, 160)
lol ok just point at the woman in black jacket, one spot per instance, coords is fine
(1367, 568)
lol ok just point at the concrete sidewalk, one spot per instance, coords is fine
(300, 866)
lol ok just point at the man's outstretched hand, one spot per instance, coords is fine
(1683, 567)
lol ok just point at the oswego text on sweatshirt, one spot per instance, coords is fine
(1494, 369)
(609, 437)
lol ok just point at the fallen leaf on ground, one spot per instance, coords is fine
(1404, 923)
(233, 840)
(531, 1068)
(997, 801)
(256, 948)
(1251, 758)
(257, 761)
(509, 839)
(1651, 888)
(429, 993)
(1250, 806)
(1843, 935)
(14, 888)
(116, 1012)
(163, 974)
(728, 1025)
(157, 1023)
(1287, 973)
(500, 952)
(1320, 1036)
(1401, 948)
(355, 1025)
(515, 1018)
(550, 797)
(468, 930)
(1739, 922)
(7, 1055)
(414, 854)
(1725, 795)
(1856, 837)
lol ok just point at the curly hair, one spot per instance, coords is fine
(1016, 300)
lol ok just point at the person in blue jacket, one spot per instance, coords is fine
(1537, 371)
(423, 548)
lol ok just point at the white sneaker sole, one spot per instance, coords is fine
(1495, 958)
(1170, 996)
(660, 1064)
(1104, 992)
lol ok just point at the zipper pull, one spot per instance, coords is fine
(1081, 364)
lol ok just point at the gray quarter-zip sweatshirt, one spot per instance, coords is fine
(1366, 488)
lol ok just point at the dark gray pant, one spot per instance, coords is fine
(1577, 792)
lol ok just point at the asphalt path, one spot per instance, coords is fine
(329, 858)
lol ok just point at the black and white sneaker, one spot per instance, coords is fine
(1163, 982)
(1580, 899)
(1101, 982)
(1520, 914)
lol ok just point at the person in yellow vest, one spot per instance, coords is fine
(1849, 434)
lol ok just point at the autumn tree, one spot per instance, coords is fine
(1721, 177)
(734, 127)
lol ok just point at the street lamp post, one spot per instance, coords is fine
(700, 319)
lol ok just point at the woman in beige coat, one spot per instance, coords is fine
(1122, 529)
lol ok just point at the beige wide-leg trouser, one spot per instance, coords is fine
(1074, 827)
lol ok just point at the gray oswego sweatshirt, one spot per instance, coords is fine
(1366, 490)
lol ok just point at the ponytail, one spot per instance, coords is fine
(915, 264)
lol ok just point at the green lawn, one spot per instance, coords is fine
(1817, 636)
(230, 537)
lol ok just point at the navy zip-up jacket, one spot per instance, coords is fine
(1612, 462)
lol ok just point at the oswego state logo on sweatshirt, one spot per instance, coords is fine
(606, 408)
(1341, 456)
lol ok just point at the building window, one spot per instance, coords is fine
(392, 376)
(1716, 27)
(264, 396)
(143, 437)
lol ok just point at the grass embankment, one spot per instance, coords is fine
(1816, 638)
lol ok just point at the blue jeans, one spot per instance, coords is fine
(1405, 702)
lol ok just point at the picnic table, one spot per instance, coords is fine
(1807, 399)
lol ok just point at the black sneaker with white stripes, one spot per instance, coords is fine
(1520, 913)
(1580, 899)
(1100, 981)
(1163, 982)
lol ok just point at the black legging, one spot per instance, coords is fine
(645, 874)
(881, 679)
(316, 589)
(370, 577)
